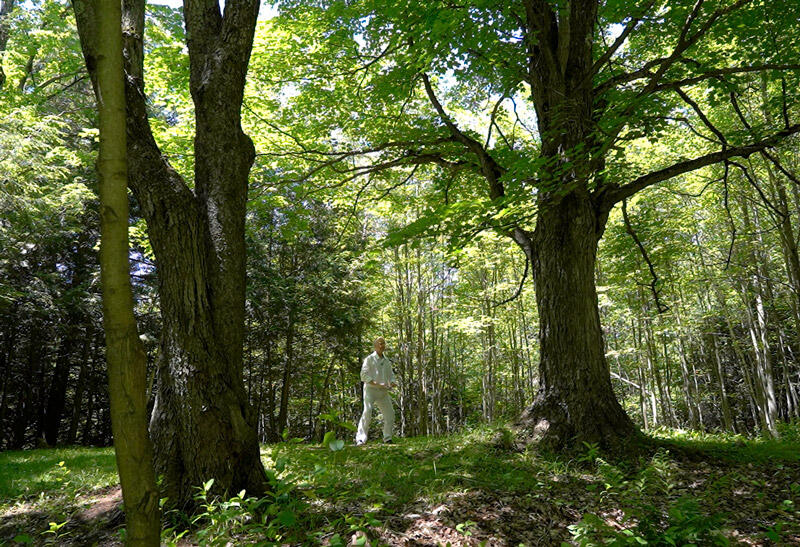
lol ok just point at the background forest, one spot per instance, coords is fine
(699, 289)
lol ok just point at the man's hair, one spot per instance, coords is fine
(378, 339)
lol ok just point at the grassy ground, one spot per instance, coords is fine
(461, 489)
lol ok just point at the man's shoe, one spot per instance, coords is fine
(388, 441)
(360, 443)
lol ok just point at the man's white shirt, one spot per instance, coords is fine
(377, 369)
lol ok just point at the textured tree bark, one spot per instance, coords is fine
(202, 424)
(575, 402)
(127, 361)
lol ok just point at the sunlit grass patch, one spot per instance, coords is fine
(738, 448)
(414, 470)
(25, 473)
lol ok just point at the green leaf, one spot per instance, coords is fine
(336, 445)
(287, 517)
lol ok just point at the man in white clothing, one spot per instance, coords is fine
(378, 378)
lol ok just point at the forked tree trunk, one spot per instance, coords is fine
(202, 424)
(575, 402)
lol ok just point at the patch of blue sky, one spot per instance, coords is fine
(267, 11)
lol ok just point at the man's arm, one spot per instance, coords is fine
(367, 375)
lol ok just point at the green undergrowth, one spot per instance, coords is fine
(729, 490)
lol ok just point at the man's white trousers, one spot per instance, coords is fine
(380, 398)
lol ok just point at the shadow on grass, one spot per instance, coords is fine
(464, 490)
(460, 489)
(436, 490)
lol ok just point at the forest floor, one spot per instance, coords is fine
(461, 489)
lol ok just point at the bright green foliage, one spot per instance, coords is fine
(270, 521)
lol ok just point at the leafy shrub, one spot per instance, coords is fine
(270, 520)
(682, 522)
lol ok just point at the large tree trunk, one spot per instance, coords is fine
(202, 424)
(575, 402)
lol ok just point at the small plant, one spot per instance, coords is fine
(356, 526)
(504, 439)
(681, 523)
(775, 533)
(686, 525)
(464, 527)
(270, 520)
(591, 454)
(54, 533)
(332, 442)
(332, 418)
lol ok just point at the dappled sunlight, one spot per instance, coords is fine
(32, 471)
(425, 489)
(465, 490)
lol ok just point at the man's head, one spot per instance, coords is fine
(380, 345)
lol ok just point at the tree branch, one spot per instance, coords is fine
(491, 170)
(684, 43)
(654, 278)
(519, 287)
(716, 73)
(618, 194)
(630, 27)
